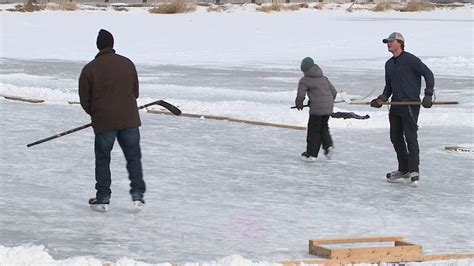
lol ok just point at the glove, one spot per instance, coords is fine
(427, 101)
(299, 106)
(377, 103)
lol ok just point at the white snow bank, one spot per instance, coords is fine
(38, 255)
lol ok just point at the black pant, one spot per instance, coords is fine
(318, 132)
(404, 137)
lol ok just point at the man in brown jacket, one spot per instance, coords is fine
(108, 88)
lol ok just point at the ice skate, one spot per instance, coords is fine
(413, 178)
(328, 153)
(138, 202)
(99, 205)
(307, 158)
(397, 177)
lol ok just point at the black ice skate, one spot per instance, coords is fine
(397, 177)
(99, 205)
(307, 158)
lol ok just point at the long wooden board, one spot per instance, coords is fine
(459, 148)
(356, 240)
(436, 257)
(230, 119)
(405, 103)
(22, 99)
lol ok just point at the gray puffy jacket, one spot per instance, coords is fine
(320, 91)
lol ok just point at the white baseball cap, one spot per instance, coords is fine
(394, 36)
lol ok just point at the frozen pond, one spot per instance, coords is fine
(217, 188)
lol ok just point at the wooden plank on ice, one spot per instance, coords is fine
(440, 257)
(459, 148)
(230, 119)
(363, 102)
(373, 239)
(398, 252)
(22, 99)
(459, 256)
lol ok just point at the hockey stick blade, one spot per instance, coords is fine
(345, 97)
(173, 109)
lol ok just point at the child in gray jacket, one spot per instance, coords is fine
(321, 94)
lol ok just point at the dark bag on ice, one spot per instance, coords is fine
(347, 115)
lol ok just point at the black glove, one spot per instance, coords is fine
(299, 106)
(427, 101)
(377, 103)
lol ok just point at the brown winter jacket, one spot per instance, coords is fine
(108, 88)
(321, 92)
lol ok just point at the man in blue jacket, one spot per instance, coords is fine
(403, 74)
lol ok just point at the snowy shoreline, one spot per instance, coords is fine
(38, 255)
(243, 37)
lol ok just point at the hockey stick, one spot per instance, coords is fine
(346, 99)
(343, 95)
(294, 107)
(409, 103)
(344, 115)
(173, 109)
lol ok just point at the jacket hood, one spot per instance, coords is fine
(105, 51)
(315, 72)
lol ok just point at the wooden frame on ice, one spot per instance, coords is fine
(400, 251)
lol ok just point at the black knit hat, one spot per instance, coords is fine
(105, 40)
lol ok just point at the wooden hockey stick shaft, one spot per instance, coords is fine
(410, 103)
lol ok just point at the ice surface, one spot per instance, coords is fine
(244, 93)
(217, 188)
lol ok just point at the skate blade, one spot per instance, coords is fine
(399, 180)
(100, 207)
(404, 181)
(308, 160)
(138, 205)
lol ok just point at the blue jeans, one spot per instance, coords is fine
(129, 140)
